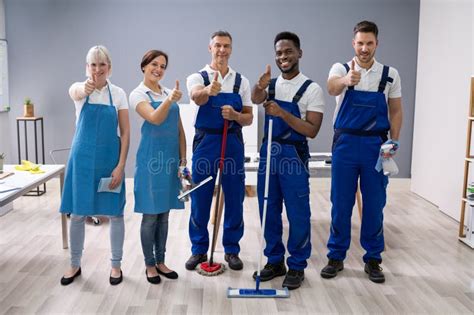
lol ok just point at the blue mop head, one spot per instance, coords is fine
(260, 293)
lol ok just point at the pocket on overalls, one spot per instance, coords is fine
(240, 137)
(336, 140)
(198, 137)
(303, 192)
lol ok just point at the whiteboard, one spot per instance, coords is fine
(4, 101)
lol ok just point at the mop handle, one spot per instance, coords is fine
(219, 187)
(265, 197)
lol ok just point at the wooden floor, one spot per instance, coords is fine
(427, 269)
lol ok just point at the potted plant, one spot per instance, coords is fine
(28, 108)
(2, 158)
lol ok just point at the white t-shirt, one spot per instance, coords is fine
(227, 83)
(139, 94)
(369, 81)
(312, 100)
(101, 96)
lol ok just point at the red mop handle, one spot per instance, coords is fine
(219, 187)
(224, 144)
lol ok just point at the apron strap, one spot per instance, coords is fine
(110, 95)
(149, 95)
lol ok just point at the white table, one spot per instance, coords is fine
(20, 183)
(317, 164)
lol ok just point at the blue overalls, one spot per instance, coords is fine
(206, 154)
(95, 153)
(156, 173)
(289, 182)
(360, 128)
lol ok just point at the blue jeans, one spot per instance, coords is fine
(77, 235)
(154, 233)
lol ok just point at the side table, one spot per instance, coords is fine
(37, 191)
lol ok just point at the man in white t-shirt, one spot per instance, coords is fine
(296, 106)
(221, 94)
(369, 105)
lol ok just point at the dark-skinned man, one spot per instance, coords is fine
(296, 105)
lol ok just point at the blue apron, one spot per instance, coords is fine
(95, 153)
(156, 173)
(289, 183)
(360, 128)
(206, 154)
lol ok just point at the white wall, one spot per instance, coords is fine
(445, 65)
(4, 124)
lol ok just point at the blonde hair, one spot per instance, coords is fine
(98, 54)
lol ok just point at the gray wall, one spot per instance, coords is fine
(4, 116)
(48, 41)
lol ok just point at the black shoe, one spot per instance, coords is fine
(293, 279)
(234, 261)
(153, 280)
(332, 268)
(170, 275)
(115, 281)
(67, 281)
(194, 260)
(271, 271)
(372, 267)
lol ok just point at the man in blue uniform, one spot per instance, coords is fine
(369, 105)
(296, 105)
(221, 94)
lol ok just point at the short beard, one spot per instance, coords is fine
(291, 69)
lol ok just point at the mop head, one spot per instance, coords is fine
(209, 270)
(260, 293)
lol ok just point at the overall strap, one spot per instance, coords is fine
(205, 77)
(271, 89)
(346, 65)
(301, 91)
(238, 80)
(385, 78)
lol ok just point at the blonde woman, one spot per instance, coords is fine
(96, 153)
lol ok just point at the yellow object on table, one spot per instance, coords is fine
(29, 167)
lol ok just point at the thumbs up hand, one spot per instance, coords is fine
(265, 78)
(175, 94)
(352, 77)
(90, 85)
(215, 87)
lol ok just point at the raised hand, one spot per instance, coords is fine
(265, 78)
(175, 94)
(215, 87)
(90, 85)
(353, 76)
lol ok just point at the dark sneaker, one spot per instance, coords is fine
(234, 261)
(332, 268)
(372, 267)
(195, 260)
(271, 271)
(293, 279)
